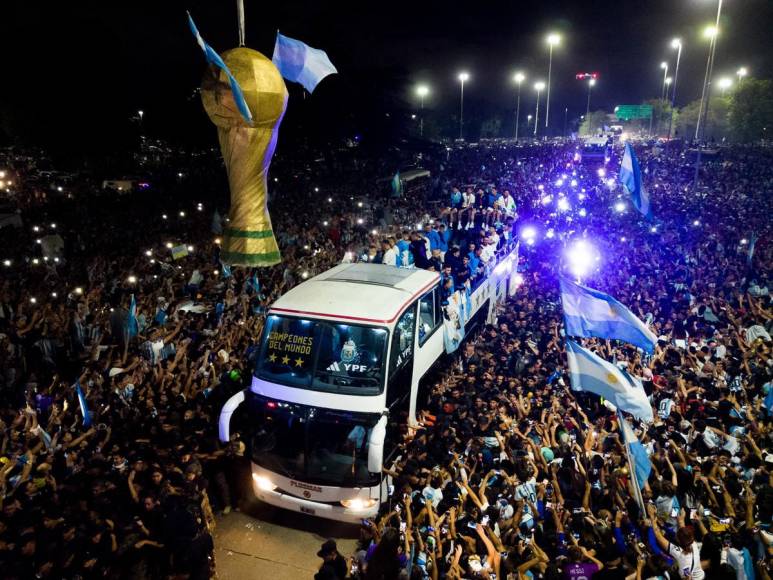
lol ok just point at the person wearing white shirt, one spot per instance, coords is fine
(506, 204)
(468, 207)
(686, 552)
(390, 254)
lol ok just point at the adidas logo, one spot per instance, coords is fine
(334, 367)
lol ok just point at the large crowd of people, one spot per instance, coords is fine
(109, 460)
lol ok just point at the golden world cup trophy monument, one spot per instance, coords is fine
(247, 150)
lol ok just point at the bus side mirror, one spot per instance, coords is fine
(376, 446)
(224, 424)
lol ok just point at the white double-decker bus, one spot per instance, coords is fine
(336, 383)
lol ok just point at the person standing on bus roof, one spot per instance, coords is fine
(389, 256)
(419, 250)
(404, 249)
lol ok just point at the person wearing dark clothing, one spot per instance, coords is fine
(333, 563)
(419, 251)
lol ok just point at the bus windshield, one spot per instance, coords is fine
(323, 355)
(310, 444)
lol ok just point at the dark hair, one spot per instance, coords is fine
(384, 564)
(685, 537)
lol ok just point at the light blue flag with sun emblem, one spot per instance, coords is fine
(591, 373)
(630, 178)
(593, 314)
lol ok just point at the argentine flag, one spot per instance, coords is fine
(397, 185)
(593, 374)
(132, 326)
(83, 404)
(641, 460)
(214, 58)
(590, 313)
(300, 63)
(630, 178)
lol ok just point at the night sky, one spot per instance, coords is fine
(76, 72)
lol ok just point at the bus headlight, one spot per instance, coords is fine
(358, 504)
(263, 483)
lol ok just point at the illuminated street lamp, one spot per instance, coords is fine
(518, 79)
(553, 39)
(539, 87)
(741, 72)
(724, 84)
(463, 78)
(422, 91)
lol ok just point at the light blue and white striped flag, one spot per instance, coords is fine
(750, 254)
(590, 313)
(591, 373)
(214, 58)
(641, 461)
(630, 178)
(132, 326)
(83, 404)
(300, 63)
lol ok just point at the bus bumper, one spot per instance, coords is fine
(327, 510)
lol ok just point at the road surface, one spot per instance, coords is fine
(265, 542)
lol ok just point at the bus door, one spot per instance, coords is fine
(401, 358)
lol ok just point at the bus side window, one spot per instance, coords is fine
(402, 339)
(438, 306)
(426, 316)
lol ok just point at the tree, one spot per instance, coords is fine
(750, 109)
(661, 114)
(594, 124)
(716, 122)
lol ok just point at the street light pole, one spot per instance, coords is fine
(538, 87)
(700, 129)
(462, 78)
(519, 77)
(741, 72)
(676, 43)
(591, 82)
(553, 39)
(422, 91)
(664, 66)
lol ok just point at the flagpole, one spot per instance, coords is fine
(631, 466)
(240, 19)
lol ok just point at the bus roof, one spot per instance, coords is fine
(367, 293)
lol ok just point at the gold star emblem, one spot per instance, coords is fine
(285, 360)
(272, 358)
(611, 378)
(299, 362)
